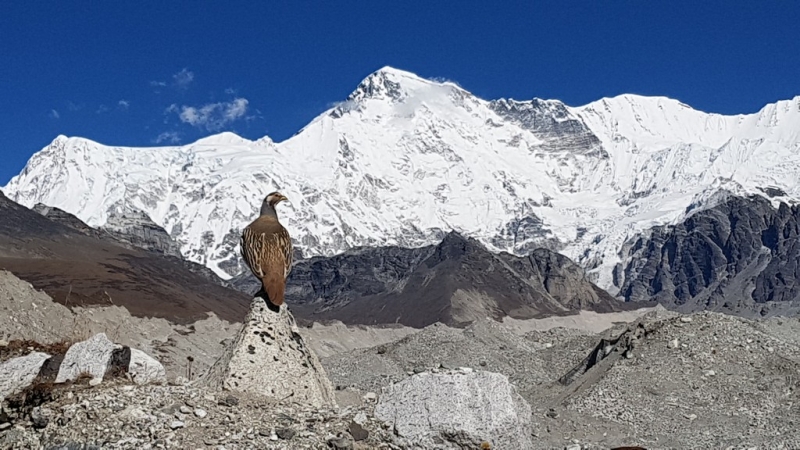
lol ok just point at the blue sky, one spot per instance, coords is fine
(144, 72)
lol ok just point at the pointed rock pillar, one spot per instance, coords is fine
(269, 358)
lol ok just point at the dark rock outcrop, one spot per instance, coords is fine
(741, 256)
(454, 282)
(552, 122)
(137, 229)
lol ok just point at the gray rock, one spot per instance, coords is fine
(270, 358)
(145, 369)
(552, 121)
(134, 227)
(457, 409)
(90, 357)
(341, 442)
(454, 282)
(229, 401)
(285, 433)
(741, 256)
(18, 373)
(40, 416)
(357, 431)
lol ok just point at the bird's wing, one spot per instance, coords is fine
(252, 248)
(288, 251)
(267, 249)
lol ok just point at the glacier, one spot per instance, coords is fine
(403, 160)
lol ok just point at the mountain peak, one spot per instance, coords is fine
(397, 73)
(391, 83)
(224, 138)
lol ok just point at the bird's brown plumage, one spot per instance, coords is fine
(267, 251)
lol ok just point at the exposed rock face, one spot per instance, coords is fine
(454, 282)
(457, 410)
(269, 358)
(554, 123)
(741, 256)
(136, 228)
(18, 373)
(65, 218)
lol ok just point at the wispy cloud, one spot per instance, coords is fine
(170, 137)
(180, 80)
(183, 78)
(212, 116)
(74, 107)
(54, 114)
(102, 109)
(123, 104)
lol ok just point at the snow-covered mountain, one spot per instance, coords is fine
(403, 160)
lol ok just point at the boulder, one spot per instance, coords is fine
(90, 357)
(144, 369)
(268, 357)
(461, 409)
(97, 356)
(18, 373)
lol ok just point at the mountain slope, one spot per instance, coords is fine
(403, 160)
(741, 256)
(454, 282)
(77, 266)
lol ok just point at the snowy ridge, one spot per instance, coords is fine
(403, 160)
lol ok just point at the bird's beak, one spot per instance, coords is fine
(283, 198)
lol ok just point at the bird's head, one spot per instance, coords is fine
(268, 205)
(274, 198)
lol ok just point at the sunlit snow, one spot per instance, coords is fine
(404, 159)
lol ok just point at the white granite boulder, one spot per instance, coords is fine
(87, 358)
(95, 356)
(455, 410)
(18, 373)
(144, 369)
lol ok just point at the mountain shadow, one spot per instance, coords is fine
(79, 266)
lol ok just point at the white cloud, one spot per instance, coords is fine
(102, 109)
(212, 116)
(123, 104)
(74, 107)
(158, 83)
(183, 78)
(54, 114)
(171, 137)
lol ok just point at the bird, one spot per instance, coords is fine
(267, 250)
